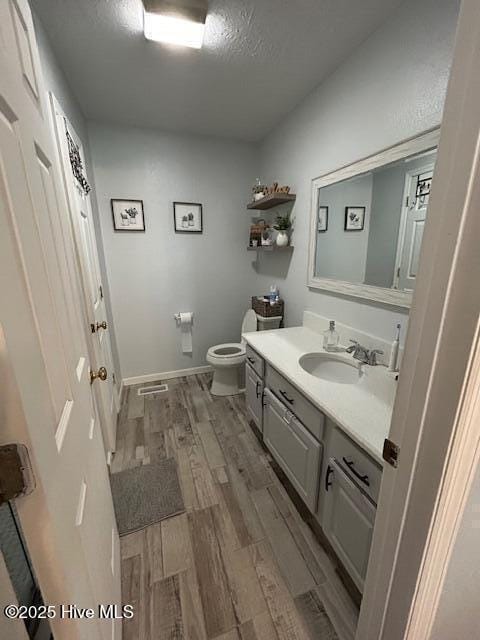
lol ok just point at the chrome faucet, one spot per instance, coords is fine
(372, 357)
(364, 355)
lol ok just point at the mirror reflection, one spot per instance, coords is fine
(370, 227)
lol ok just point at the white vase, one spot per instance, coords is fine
(282, 239)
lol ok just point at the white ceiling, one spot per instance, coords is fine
(260, 58)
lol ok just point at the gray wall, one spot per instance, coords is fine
(391, 88)
(156, 274)
(342, 254)
(57, 83)
(388, 186)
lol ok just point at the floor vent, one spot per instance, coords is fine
(156, 388)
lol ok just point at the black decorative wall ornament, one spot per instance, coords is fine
(77, 165)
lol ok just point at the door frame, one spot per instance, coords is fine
(435, 417)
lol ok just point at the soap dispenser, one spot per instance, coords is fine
(331, 338)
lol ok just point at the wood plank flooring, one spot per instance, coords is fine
(241, 563)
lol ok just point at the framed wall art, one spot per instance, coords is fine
(128, 215)
(354, 218)
(188, 217)
(322, 220)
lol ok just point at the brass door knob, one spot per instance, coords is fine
(101, 325)
(101, 374)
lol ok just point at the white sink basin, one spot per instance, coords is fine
(332, 367)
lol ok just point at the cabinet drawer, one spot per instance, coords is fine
(297, 452)
(255, 361)
(361, 468)
(310, 416)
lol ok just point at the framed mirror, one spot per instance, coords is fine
(367, 221)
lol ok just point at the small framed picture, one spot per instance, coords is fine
(354, 218)
(188, 217)
(128, 215)
(322, 219)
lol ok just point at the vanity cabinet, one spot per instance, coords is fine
(295, 449)
(254, 396)
(348, 521)
(336, 479)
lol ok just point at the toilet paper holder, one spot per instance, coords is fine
(177, 318)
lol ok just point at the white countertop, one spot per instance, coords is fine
(362, 410)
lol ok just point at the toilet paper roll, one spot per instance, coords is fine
(186, 320)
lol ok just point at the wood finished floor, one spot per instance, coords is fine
(240, 564)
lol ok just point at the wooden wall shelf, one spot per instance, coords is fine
(271, 247)
(272, 200)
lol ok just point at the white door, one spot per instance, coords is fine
(68, 520)
(413, 225)
(95, 317)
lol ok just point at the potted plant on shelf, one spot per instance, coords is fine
(283, 226)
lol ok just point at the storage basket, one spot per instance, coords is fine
(265, 309)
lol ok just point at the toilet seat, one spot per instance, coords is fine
(227, 355)
(227, 350)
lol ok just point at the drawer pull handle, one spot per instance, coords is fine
(351, 465)
(251, 360)
(257, 392)
(285, 396)
(328, 482)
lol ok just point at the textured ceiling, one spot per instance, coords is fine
(260, 58)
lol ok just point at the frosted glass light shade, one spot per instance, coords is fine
(171, 30)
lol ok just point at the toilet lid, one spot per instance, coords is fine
(249, 321)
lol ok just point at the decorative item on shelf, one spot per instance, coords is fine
(260, 234)
(128, 215)
(188, 217)
(256, 231)
(283, 226)
(263, 307)
(354, 218)
(276, 189)
(258, 190)
(267, 239)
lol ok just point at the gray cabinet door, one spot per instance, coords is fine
(348, 520)
(294, 448)
(254, 396)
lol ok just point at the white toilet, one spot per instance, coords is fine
(228, 359)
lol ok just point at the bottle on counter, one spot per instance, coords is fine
(331, 338)
(274, 294)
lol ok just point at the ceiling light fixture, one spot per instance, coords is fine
(178, 22)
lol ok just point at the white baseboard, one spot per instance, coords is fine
(165, 375)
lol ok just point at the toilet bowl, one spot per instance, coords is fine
(228, 359)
